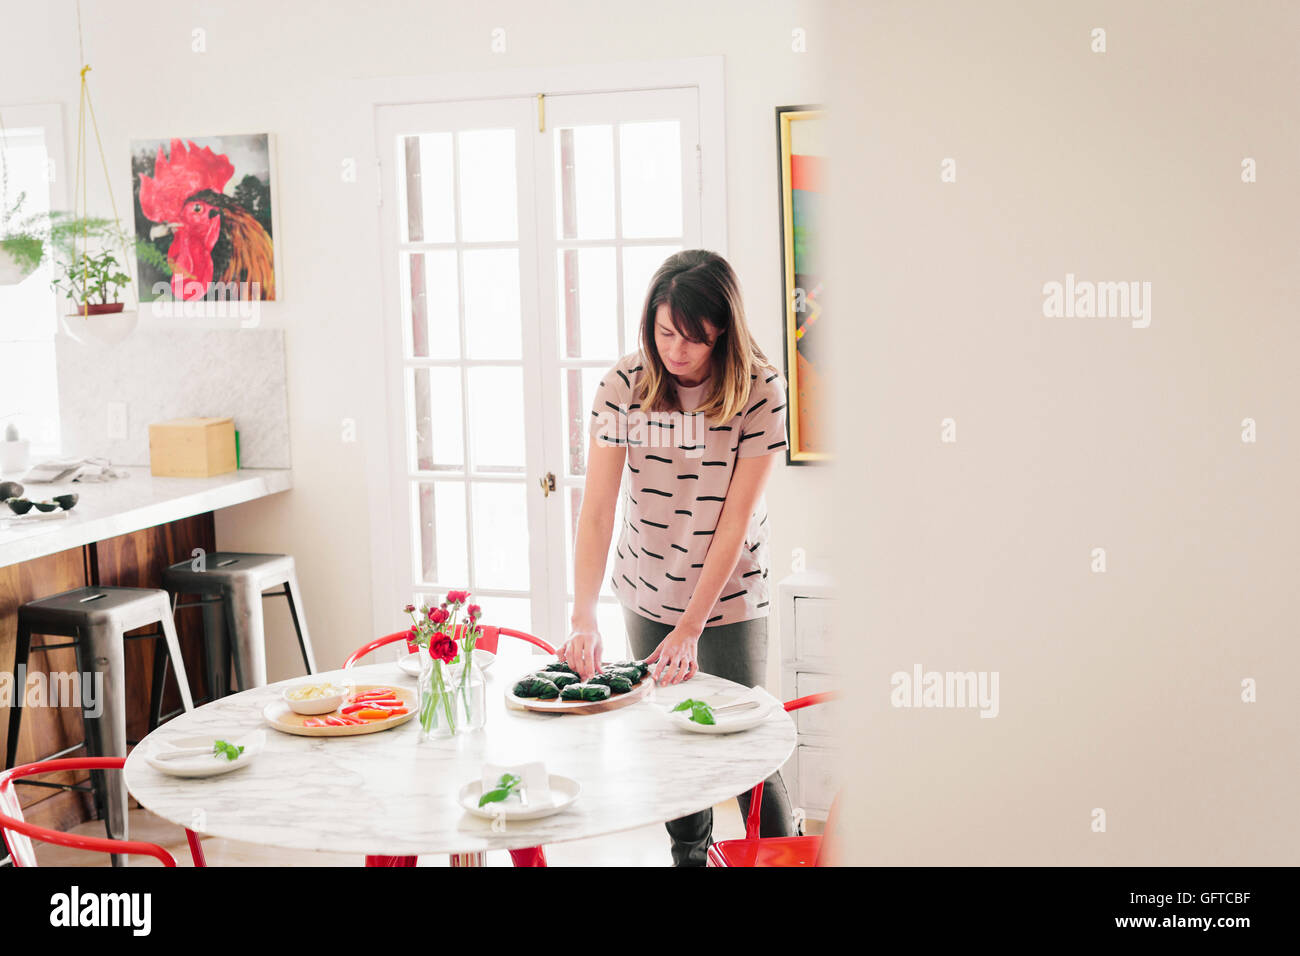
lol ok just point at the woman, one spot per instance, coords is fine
(697, 416)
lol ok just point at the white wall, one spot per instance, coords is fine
(1119, 691)
(285, 67)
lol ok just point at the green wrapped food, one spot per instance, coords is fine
(632, 674)
(618, 683)
(561, 668)
(586, 692)
(534, 686)
(560, 679)
(641, 667)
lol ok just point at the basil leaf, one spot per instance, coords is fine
(224, 749)
(505, 786)
(702, 713)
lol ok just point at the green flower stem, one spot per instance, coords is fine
(427, 704)
(446, 698)
(464, 680)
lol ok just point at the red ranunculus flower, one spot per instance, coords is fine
(438, 616)
(443, 648)
(455, 597)
(409, 609)
(474, 612)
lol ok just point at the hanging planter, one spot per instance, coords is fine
(12, 270)
(87, 269)
(100, 329)
(22, 235)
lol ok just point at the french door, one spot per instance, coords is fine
(518, 240)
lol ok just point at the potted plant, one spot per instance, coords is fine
(22, 234)
(87, 270)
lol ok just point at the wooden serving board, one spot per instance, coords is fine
(642, 690)
(279, 716)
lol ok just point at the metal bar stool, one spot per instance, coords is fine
(230, 586)
(97, 619)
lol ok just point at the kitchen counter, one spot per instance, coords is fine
(111, 508)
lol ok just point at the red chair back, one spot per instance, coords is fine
(756, 796)
(18, 833)
(489, 640)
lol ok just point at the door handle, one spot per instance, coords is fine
(548, 484)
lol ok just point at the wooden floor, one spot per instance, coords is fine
(644, 846)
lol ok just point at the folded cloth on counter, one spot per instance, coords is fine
(536, 782)
(74, 469)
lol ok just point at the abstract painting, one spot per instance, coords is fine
(204, 204)
(801, 134)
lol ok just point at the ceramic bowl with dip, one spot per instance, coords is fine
(316, 697)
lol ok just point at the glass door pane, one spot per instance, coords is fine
(460, 251)
(623, 170)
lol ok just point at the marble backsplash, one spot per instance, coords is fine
(175, 373)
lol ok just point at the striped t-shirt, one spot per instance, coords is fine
(678, 471)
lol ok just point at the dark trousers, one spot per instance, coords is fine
(737, 652)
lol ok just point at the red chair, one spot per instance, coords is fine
(754, 850)
(488, 640)
(18, 834)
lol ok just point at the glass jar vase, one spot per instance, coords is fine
(453, 699)
(470, 694)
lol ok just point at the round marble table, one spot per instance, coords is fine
(390, 793)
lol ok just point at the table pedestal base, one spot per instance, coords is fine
(532, 856)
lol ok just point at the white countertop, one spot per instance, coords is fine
(109, 508)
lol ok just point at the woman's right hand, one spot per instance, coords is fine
(582, 651)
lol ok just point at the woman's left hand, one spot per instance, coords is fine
(676, 655)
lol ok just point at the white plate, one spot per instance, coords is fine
(410, 663)
(202, 765)
(564, 790)
(746, 719)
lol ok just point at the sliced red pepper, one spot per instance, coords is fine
(380, 692)
(373, 714)
(313, 722)
(353, 708)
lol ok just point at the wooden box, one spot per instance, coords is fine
(192, 447)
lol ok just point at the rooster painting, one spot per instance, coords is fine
(217, 244)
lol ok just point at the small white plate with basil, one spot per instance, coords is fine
(206, 756)
(514, 805)
(723, 715)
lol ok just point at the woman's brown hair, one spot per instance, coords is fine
(699, 285)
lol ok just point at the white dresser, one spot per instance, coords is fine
(807, 667)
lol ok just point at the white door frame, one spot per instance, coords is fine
(358, 104)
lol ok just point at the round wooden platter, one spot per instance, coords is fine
(279, 716)
(642, 690)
